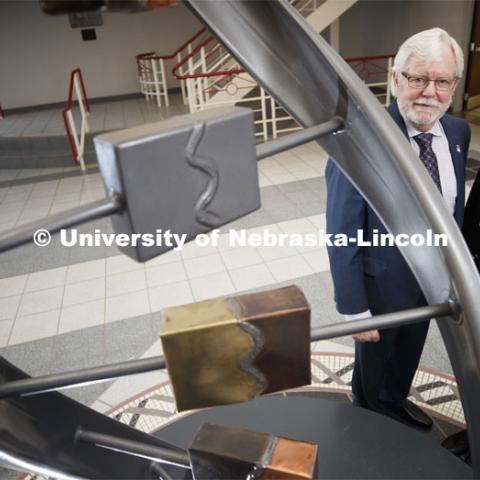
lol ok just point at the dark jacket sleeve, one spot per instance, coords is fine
(346, 213)
(471, 225)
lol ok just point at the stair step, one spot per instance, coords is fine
(41, 151)
(44, 160)
(39, 145)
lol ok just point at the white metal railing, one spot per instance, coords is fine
(386, 84)
(151, 69)
(366, 68)
(274, 121)
(152, 77)
(76, 138)
(209, 57)
(284, 119)
(198, 97)
(185, 51)
(213, 78)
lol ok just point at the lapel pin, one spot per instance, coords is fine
(458, 149)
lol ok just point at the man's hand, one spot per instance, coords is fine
(370, 336)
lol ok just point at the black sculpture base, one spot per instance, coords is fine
(352, 442)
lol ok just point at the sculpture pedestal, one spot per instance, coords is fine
(352, 442)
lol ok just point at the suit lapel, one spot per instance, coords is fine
(395, 114)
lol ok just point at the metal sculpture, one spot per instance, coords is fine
(182, 176)
(316, 87)
(313, 84)
(185, 175)
(236, 453)
(232, 349)
(43, 434)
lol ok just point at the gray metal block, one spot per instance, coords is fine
(188, 174)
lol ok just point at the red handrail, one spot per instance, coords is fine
(211, 74)
(179, 49)
(203, 75)
(213, 50)
(365, 67)
(238, 71)
(369, 58)
(142, 56)
(146, 54)
(152, 56)
(69, 107)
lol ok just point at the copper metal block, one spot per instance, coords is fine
(230, 350)
(230, 453)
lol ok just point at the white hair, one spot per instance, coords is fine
(426, 45)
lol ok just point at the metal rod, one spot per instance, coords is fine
(388, 320)
(29, 386)
(113, 204)
(32, 386)
(158, 470)
(54, 223)
(298, 138)
(172, 456)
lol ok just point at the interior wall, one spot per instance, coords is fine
(37, 51)
(380, 27)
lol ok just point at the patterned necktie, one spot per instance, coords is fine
(428, 157)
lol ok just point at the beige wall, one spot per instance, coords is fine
(38, 51)
(375, 27)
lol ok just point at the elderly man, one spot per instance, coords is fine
(376, 280)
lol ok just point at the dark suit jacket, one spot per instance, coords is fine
(471, 225)
(378, 278)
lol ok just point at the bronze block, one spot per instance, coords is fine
(291, 459)
(235, 453)
(230, 350)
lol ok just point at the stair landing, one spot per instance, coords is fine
(37, 138)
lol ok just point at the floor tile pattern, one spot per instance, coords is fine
(151, 409)
(64, 307)
(435, 392)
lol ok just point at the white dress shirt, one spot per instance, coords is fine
(445, 169)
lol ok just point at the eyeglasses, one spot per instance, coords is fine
(441, 84)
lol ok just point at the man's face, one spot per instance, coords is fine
(422, 107)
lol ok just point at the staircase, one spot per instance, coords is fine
(213, 78)
(35, 151)
(327, 13)
(226, 82)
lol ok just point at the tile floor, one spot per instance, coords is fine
(55, 303)
(103, 116)
(80, 295)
